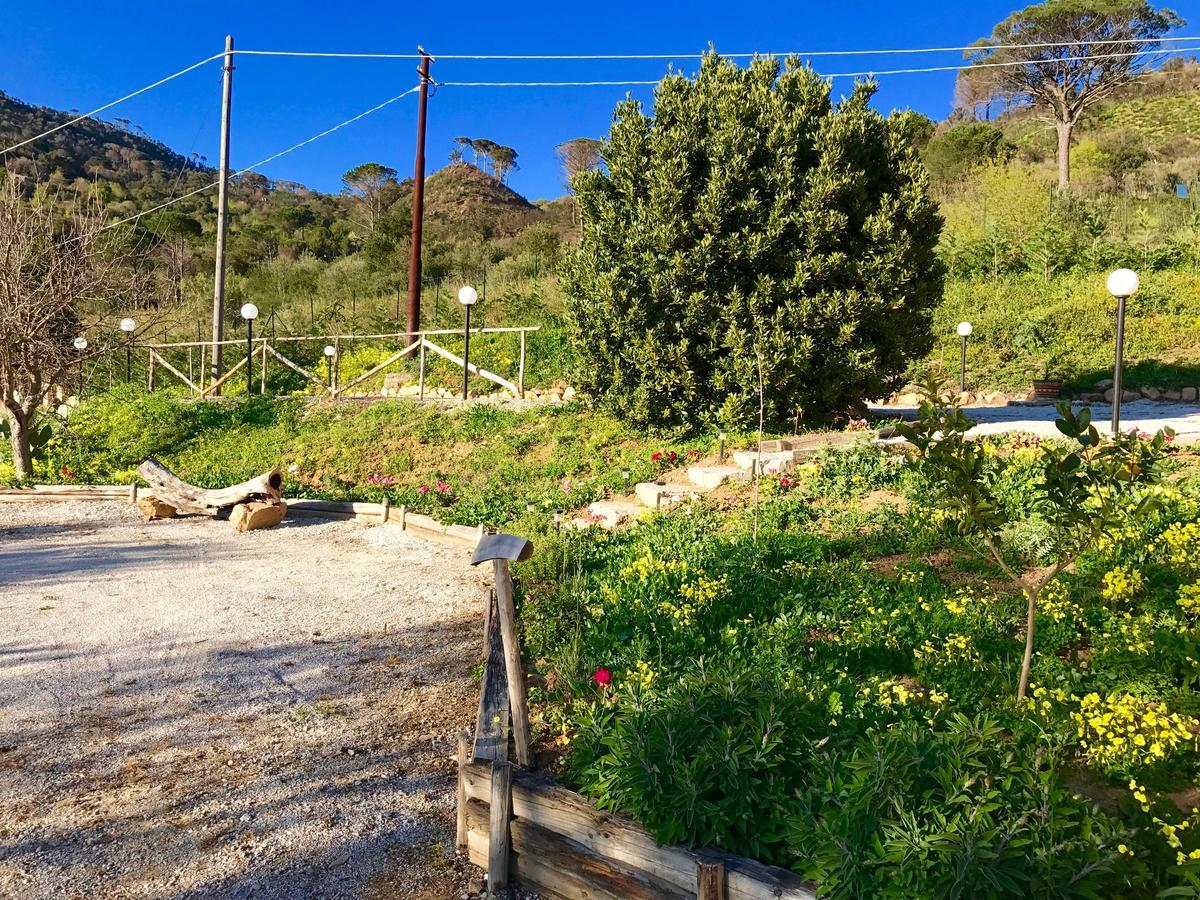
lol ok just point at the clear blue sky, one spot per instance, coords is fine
(81, 55)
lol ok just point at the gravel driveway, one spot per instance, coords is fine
(186, 711)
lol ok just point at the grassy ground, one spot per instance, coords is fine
(483, 464)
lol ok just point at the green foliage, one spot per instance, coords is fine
(836, 696)
(750, 234)
(959, 149)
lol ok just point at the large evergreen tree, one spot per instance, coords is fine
(751, 232)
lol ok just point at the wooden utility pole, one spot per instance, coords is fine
(418, 209)
(218, 325)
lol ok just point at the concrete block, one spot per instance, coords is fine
(611, 513)
(709, 478)
(772, 463)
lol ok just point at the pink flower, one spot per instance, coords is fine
(442, 487)
(1144, 435)
(566, 486)
(602, 677)
(784, 481)
(423, 489)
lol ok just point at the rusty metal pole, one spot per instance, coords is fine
(418, 209)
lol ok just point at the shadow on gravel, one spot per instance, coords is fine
(293, 770)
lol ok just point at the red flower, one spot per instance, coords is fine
(602, 677)
(656, 456)
(672, 456)
(67, 473)
(784, 481)
(424, 489)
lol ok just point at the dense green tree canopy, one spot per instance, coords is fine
(751, 229)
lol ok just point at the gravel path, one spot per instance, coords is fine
(1144, 415)
(186, 711)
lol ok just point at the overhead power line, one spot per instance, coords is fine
(263, 162)
(670, 56)
(861, 74)
(106, 106)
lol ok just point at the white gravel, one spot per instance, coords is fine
(186, 711)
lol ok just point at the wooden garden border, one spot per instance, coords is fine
(514, 822)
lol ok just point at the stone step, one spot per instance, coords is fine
(709, 478)
(612, 513)
(772, 463)
(660, 496)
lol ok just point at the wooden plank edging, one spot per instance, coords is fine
(622, 843)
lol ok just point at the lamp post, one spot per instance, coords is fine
(128, 326)
(467, 296)
(964, 332)
(330, 350)
(81, 345)
(249, 313)
(1122, 284)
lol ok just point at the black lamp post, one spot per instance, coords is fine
(467, 296)
(128, 326)
(81, 345)
(964, 332)
(330, 350)
(1122, 284)
(249, 313)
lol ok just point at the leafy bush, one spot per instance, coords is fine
(751, 233)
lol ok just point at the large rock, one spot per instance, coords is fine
(1151, 393)
(1103, 384)
(1173, 395)
(1188, 394)
(1126, 396)
(258, 514)
(152, 508)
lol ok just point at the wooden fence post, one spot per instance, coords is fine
(386, 512)
(200, 381)
(521, 369)
(421, 371)
(150, 372)
(498, 839)
(710, 881)
(262, 388)
(460, 832)
(518, 690)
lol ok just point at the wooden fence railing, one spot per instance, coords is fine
(266, 348)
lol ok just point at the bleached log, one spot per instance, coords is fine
(190, 499)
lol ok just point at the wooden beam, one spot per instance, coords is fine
(300, 369)
(498, 815)
(518, 688)
(483, 373)
(464, 756)
(224, 378)
(492, 717)
(174, 371)
(379, 368)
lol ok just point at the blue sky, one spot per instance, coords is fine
(81, 56)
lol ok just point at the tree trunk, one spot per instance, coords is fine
(18, 432)
(1026, 662)
(1064, 130)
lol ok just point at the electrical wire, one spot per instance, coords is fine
(262, 162)
(863, 74)
(670, 56)
(107, 106)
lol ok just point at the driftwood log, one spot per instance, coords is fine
(190, 499)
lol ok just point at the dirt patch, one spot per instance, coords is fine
(186, 711)
(876, 499)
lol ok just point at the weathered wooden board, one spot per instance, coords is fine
(492, 717)
(623, 842)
